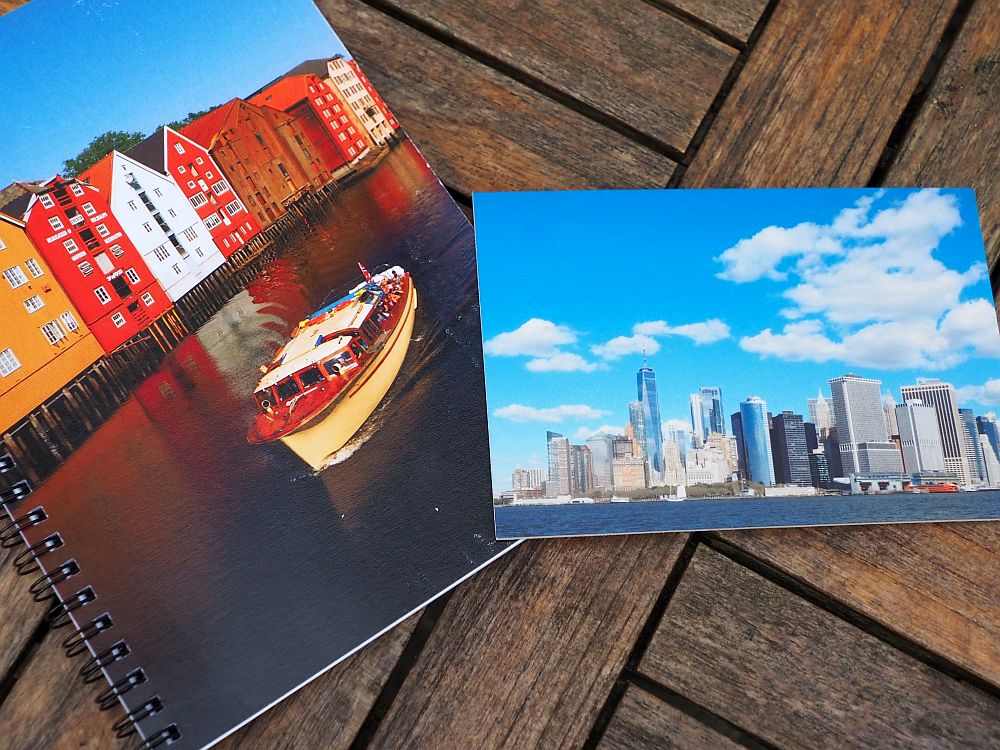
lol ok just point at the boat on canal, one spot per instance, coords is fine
(336, 367)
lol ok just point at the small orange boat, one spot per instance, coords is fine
(336, 368)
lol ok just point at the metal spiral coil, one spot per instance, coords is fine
(16, 488)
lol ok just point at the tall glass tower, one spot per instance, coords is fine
(757, 440)
(713, 417)
(653, 431)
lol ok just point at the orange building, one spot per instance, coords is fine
(44, 343)
(264, 152)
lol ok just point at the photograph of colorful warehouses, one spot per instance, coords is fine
(108, 270)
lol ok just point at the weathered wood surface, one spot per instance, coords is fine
(630, 53)
(796, 675)
(21, 614)
(526, 656)
(480, 129)
(540, 648)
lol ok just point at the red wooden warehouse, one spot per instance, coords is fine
(106, 278)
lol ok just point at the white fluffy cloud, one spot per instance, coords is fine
(586, 432)
(987, 394)
(522, 413)
(535, 338)
(704, 332)
(677, 424)
(561, 362)
(622, 346)
(868, 290)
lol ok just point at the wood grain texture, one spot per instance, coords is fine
(479, 129)
(796, 675)
(735, 17)
(21, 614)
(526, 654)
(955, 138)
(938, 584)
(625, 59)
(820, 94)
(645, 721)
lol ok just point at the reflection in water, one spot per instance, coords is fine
(232, 570)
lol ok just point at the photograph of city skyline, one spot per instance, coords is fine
(830, 353)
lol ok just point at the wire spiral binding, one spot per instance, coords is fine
(43, 589)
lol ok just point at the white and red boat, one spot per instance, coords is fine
(336, 368)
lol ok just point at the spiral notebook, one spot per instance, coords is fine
(242, 415)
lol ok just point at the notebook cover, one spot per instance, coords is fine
(240, 353)
(688, 360)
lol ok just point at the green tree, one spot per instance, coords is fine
(98, 148)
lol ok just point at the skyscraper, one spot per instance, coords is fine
(789, 450)
(889, 407)
(652, 429)
(757, 440)
(977, 463)
(865, 447)
(920, 437)
(697, 424)
(713, 418)
(581, 471)
(989, 427)
(736, 419)
(559, 465)
(821, 415)
(600, 458)
(637, 423)
(941, 396)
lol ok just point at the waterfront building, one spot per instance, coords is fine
(159, 220)
(581, 470)
(942, 397)
(681, 437)
(790, 450)
(600, 459)
(629, 474)
(713, 417)
(861, 426)
(756, 439)
(44, 342)
(698, 433)
(203, 183)
(736, 420)
(265, 154)
(988, 426)
(527, 480)
(344, 77)
(889, 409)
(991, 463)
(91, 257)
(831, 447)
(673, 471)
(920, 437)
(559, 465)
(819, 469)
(623, 446)
(977, 465)
(812, 436)
(635, 430)
(820, 414)
(715, 462)
(322, 114)
(652, 428)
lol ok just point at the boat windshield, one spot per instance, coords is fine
(287, 388)
(336, 364)
(312, 376)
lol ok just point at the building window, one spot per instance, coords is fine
(329, 97)
(77, 190)
(326, 113)
(234, 207)
(8, 362)
(53, 332)
(147, 227)
(319, 101)
(3, 245)
(351, 130)
(342, 136)
(68, 321)
(88, 208)
(208, 174)
(190, 234)
(171, 213)
(157, 192)
(198, 200)
(56, 223)
(46, 200)
(86, 269)
(161, 252)
(116, 250)
(200, 160)
(181, 168)
(336, 108)
(213, 221)
(71, 246)
(131, 204)
(191, 184)
(147, 299)
(132, 276)
(34, 303)
(15, 277)
(343, 119)
(102, 293)
(177, 269)
(118, 319)
(33, 267)
(351, 151)
(220, 187)
(104, 231)
(198, 252)
(179, 148)
(225, 240)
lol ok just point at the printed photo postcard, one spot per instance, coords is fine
(684, 360)
(242, 410)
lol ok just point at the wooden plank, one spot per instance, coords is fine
(479, 129)
(956, 136)
(642, 720)
(794, 674)
(627, 59)
(820, 94)
(21, 613)
(734, 17)
(939, 584)
(524, 655)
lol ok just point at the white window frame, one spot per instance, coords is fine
(34, 267)
(56, 223)
(34, 303)
(15, 276)
(68, 321)
(147, 299)
(118, 319)
(102, 295)
(132, 276)
(53, 332)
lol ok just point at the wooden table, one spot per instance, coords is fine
(861, 636)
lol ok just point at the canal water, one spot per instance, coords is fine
(518, 521)
(232, 570)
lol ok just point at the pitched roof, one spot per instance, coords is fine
(283, 93)
(204, 130)
(151, 152)
(99, 175)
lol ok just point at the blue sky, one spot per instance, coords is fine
(77, 68)
(764, 292)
